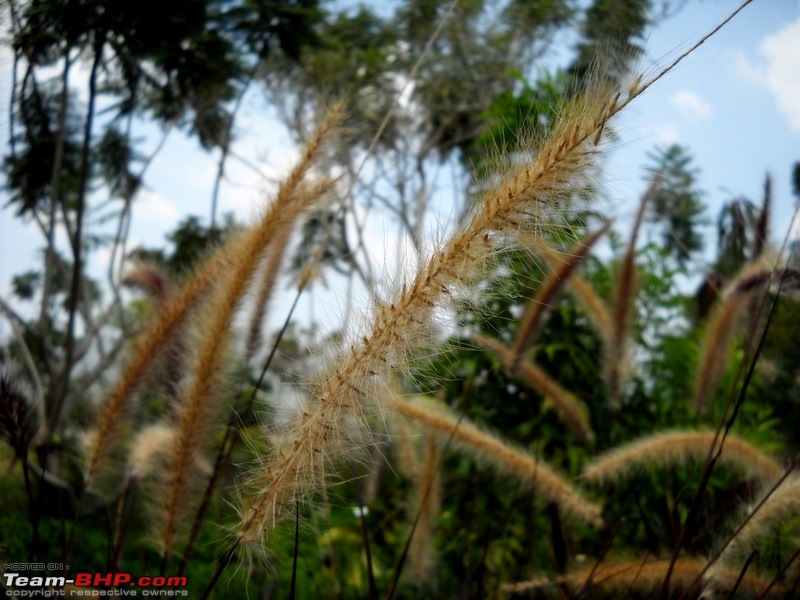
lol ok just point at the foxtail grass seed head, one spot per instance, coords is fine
(723, 327)
(149, 278)
(596, 310)
(781, 505)
(623, 576)
(571, 410)
(488, 448)
(523, 198)
(199, 403)
(149, 448)
(669, 449)
(554, 283)
(18, 418)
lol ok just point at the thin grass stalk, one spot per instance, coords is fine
(373, 586)
(780, 574)
(635, 577)
(197, 406)
(548, 291)
(427, 499)
(745, 567)
(601, 557)
(293, 584)
(401, 562)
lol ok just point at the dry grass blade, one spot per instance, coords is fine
(427, 496)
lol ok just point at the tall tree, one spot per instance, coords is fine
(676, 201)
(179, 64)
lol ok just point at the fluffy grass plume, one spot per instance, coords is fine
(521, 199)
(554, 283)
(666, 449)
(511, 460)
(199, 400)
(149, 448)
(621, 577)
(782, 504)
(722, 328)
(595, 308)
(149, 278)
(571, 410)
(108, 434)
(617, 361)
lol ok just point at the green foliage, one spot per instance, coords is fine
(190, 242)
(612, 34)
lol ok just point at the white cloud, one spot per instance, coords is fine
(692, 105)
(666, 135)
(746, 68)
(151, 207)
(781, 51)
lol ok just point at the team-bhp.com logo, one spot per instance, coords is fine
(92, 584)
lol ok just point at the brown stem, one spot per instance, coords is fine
(83, 180)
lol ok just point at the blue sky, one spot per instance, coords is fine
(735, 103)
